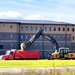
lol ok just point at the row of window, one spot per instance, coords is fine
(27, 37)
(46, 46)
(45, 28)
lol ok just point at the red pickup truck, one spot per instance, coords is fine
(19, 54)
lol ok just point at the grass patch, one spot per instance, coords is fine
(35, 63)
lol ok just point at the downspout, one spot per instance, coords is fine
(43, 56)
(65, 36)
(19, 36)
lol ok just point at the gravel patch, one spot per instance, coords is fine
(19, 70)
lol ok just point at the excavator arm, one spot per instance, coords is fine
(50, 38)
(32, 39)
(37, 35)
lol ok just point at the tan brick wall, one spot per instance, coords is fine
(4, 27)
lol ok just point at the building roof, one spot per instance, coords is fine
(31, 21)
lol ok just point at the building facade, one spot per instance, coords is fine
(14, 32)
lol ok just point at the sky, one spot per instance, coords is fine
(53, 10)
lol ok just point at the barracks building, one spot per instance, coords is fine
(14, 32)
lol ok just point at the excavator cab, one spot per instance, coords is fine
(63, 51)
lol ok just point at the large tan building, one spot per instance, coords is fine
(13, 32)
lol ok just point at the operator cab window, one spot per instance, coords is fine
(11, 53)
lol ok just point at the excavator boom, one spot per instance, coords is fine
(36, 36)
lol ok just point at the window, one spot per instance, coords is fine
(11, 35)
(21, 37)
(40, 28)
(40, 37)
(41, 54)
(31, 28)
(36, 28)
(58, 29)
(3, 25)
(59, 45)
(73, 45)
(21, 28)
(1, 46)
(36, 46)
(26, 28)
(45, 29)
(31, 35)
(3, 36)
(50, 28)
(40, 46)
(32, 46)
(45, 46)
(54, 28)
(54, 37)
(11, 44)
(63, 36)
(26, 37)
(63, 45)
(59, 36)
(67, 29)
(11, 27)
(45, 55)
(73, 29)
(73, 37)
(68, 36)
(63, 29)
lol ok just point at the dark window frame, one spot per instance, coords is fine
(31, 28)
(11, 27)
(26, 28)
(68, 29)
(36, 28)
(72, 29)
(45, 28)
(50, 28)
(54, 28)
(63, 29)
(59, 29)
(21, 28)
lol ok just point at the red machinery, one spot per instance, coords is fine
(19, 54)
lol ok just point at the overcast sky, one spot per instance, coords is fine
(54, 10)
